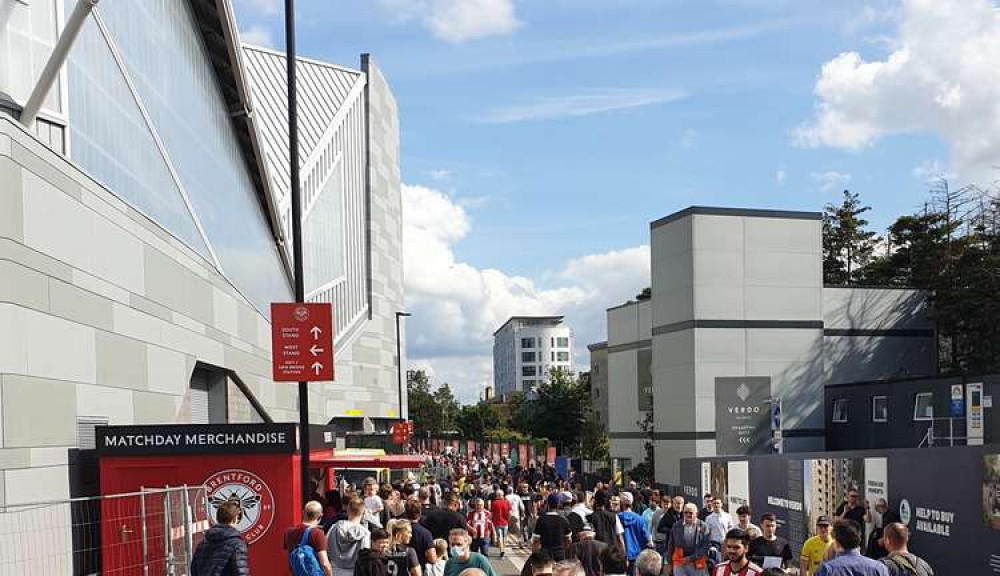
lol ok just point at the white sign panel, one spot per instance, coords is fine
(876, 480)
(974, 413)
(739, 485)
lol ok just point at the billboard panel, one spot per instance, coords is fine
(743, 415)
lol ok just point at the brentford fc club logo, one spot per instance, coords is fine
(301, 313)
(250, 492)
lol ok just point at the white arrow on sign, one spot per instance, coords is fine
(316, 331)
(317, 367)
(315, 350)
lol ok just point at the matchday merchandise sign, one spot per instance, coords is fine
(196, 439)
(743, 415)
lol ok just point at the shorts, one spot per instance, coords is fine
(501, 533)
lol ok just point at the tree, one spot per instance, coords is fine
(847, 244)
(646, 470)
(560, 408)
(594, 444)
(432, 413)
(476, 420)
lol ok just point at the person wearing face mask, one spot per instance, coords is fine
(461, 556)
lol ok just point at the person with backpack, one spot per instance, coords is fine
(306, 544)
(900, 561)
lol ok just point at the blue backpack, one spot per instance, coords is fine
(302, 558)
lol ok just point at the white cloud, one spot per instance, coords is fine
(584, 104)
(779, 177)
(258, 36)
(831, 180)
(457, 306)
(458, 21)
(942, 77)
(930, 171)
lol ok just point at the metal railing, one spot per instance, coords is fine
(147, 533)
(941, 432)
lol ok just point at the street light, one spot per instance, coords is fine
(399, 361)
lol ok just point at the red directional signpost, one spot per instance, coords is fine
(302, 342)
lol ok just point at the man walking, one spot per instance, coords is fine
(737, 563)
(671, 515)
(688, 544)
(648, 563)
(814, 549)
(308, 534)
(480, 525)
(900, 561)
(588, 551)
(851, 509)
(348, 538)
(500, 511)
(849, 561)
(719, 523)
(552, 530)
(607, 526)
(223, 551)
(770, 550)
(635, 535)
(441, 521)
(461, 556)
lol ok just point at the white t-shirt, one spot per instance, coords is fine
(435, 569)
(516, 506)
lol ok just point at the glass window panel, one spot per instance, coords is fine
(322, 243)
(840, 410)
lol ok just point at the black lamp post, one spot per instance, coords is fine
(399, 361)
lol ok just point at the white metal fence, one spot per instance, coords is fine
(148, 533)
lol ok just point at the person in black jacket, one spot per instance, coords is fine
(222, 552)
(373, 561)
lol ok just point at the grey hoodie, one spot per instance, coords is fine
(345, 540)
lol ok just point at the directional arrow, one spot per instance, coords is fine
(315, 350)
(315, 331)
(316, 366)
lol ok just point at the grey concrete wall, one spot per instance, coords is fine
(629, 332)
(599, 384)
(102, 314)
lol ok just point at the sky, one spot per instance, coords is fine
(540, 137)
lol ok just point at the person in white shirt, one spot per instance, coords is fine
(373, 503)
(437, 568)
(719, 523)
(580, 508)
(516, 510)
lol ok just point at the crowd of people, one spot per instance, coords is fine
(447, 522)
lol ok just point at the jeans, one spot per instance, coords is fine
(481, 545)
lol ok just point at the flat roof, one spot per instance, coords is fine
(597, 346)
(721, 211)
(555, 319)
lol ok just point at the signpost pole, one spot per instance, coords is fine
(293, 158)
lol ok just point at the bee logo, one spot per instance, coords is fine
(251, 493)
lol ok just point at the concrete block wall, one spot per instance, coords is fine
(103, 314)
(629, 333)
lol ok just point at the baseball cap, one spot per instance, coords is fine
(823, 520)
(627, 498)
(587, 527)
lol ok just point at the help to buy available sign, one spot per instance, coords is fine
(302, 342)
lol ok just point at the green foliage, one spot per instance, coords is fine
(951, 250)
(432, 412)
(594, 444)
(559, 409)
(503, 434)
(475, 420)
(847, 243)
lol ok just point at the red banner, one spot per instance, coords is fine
(522, 454)
(550, 455)
(505, 449)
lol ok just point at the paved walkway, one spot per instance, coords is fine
(512, 562)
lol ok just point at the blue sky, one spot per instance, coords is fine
(548, 133)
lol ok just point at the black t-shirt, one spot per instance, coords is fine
(857, 514)
(553, 530)
(761, 547)
(440, 521)
(421, 541)
(401, 560)
(588, 552)
(528, 500)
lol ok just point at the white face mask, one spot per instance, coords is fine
(877, 518)
(457, 551)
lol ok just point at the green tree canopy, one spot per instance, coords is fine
(848, 245)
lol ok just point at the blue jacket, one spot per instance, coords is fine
(636, 537)
(701, 540)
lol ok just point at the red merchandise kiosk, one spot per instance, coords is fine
(256, 464)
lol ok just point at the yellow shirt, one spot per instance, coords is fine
(812, 552)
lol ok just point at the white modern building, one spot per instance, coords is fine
(740, 321)
(145, 228)
(525, 348)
